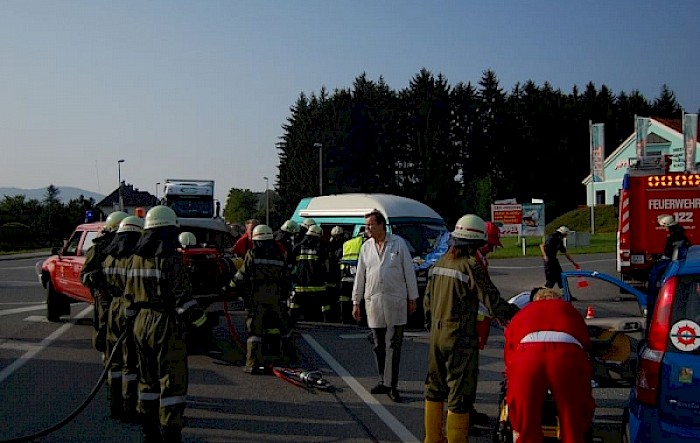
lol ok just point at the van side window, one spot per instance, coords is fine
(71, 248)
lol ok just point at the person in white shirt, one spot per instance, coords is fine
(386, 280)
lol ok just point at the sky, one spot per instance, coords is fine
(201, 89)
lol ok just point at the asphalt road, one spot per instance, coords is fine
(48, 369)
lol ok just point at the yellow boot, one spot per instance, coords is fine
(433, 421)
(457, 427)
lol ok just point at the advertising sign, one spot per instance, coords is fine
(597, 152)
(533, 220)
(690, 138)
(510, 217)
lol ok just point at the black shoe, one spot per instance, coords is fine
(380, 389)
(395, 396)
(477, 418)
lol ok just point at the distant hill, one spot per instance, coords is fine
(66, 193)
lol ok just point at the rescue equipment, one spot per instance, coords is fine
(301, 377)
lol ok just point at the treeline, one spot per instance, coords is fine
(31, 224)
(457, 148)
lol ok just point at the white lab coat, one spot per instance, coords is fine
(385, 282)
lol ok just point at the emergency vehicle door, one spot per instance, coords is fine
(615, 315)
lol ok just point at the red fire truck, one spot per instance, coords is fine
(648, 192)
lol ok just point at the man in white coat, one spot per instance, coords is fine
(386, 280)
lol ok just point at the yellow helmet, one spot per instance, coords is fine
(131, 223)
(159, 216)
(187, 239)
(113, 220)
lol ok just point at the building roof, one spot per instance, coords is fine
(132, 197)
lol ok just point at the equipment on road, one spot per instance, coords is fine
(305, 379)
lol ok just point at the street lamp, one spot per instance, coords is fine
(267, 202)
(121, 200)
(157, 184)
(320, 167)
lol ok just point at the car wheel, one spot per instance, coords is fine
(56, 304)
(625, 427)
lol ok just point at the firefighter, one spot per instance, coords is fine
(553, 245)
(187, 239)
(265, 268)
(335, 253)
(123, 373)
(158, 282)
(348, 266)
(457, 283)
(304, 228)
(309, 277)
(286, 235)
(493, 241)
(93, 278)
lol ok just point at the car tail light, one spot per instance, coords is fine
(649, 370)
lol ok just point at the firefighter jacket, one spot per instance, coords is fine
(455, 288)
(351, 249)
(265, 268)
(311, 265)
(116, 259)
(91, 275)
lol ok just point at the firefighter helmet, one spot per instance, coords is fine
(315, 231)
(187, 239)
(262, 232)
(159, 216)
(113, 220)
(290, 226)
(470, 228)
(337, 230)
(131, 223)
(308, 222)
(493, 235)
(563, 230)
(666, 220)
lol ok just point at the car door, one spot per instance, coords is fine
(66, 263)
(615, 315)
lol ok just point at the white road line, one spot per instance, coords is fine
(45, 343)
(392, 422)
(24, 309)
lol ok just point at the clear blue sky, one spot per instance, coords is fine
(201, 89)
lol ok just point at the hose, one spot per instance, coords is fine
(81, 407)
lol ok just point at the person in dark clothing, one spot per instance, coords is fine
(550, 248)
(265, 268)
(286, 235)
(158, 282)
(123, 373)
(93, 278)
(309, 276)
(335, 253)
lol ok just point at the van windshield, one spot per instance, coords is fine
(421, 237)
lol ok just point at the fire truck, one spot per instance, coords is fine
(648, 191)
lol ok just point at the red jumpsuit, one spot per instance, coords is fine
(545, 348)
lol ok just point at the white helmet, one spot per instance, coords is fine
(563, 230)
(308, 222)
(131, 223)
(470, 227)
(262, 232)
(315, 231)
(187, 239)
(159, 216)
(337, 230)
(666, 220)
(290, 226)
(113, 220)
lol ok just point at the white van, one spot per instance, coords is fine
(423, 229)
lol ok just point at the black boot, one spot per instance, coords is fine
(151, 430)
(172, 435)
(116, 410)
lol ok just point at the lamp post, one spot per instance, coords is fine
(320, 167)
(121, 200)
(267, 202)
(157, 184)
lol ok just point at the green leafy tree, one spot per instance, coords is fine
(241, 205)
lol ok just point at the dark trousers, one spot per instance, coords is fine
(387, 353)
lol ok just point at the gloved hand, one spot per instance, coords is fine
(197, 317)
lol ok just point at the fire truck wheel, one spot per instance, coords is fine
(56, 304)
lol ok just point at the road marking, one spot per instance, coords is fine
(45, 343)
(392, 422)
(24, 309)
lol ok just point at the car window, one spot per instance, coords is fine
(90, 236)
(421, 237)
(686, 306)
(71, 246)
(604, 298)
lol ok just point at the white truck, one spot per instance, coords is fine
(190, 198)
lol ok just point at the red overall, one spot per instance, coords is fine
(557, 360)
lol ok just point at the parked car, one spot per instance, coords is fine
(664, 404)
(60, 273)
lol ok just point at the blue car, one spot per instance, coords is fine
(664, 403)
